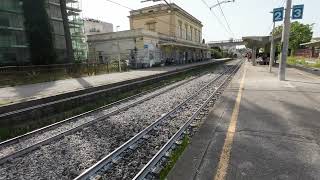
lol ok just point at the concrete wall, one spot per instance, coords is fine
(162, 23)
(139, 47)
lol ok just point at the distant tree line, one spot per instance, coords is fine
(218, 53)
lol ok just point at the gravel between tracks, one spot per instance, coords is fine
(68, 156)
(26, 142)
(134, 160)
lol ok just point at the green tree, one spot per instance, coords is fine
(216, 53)
(39, 32)
(299, 33)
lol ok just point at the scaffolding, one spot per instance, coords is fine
(76, 25)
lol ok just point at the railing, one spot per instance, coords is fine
(16, 75)
(72, 67)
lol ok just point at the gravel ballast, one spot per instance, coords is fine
(134, 160)
(69, 156)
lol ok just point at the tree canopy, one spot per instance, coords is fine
(299, 33)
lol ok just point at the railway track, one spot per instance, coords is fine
(127, 161)
(78, 136)
(51, 105)
(27, 142)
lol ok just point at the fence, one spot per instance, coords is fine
(133, 58)
(16, 75)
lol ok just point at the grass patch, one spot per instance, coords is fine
(15, 128)
(294, 60)
(174, 158)
(4, 101)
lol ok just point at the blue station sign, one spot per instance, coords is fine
(278, 14)
(297, 11)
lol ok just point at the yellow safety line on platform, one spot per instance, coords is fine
(225, 154)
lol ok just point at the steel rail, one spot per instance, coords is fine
(74, 129)
(153, 77)
(51, 126)
(156, 158)
(54, 125)
(87, 174)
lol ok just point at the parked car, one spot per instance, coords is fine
(263, 60)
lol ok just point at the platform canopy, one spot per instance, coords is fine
(311, 44)
(259, 41)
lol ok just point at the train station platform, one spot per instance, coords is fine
(24, 93)
(260, 129)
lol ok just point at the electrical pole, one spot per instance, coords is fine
(285, 42)
(272, 50)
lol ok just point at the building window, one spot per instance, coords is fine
(186, 31)
(4, 21)
(191, 33)
(197, 38)
(10, 5)
(151, 26)
(180, 29)
(94, 30)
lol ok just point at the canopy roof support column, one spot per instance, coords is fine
(254, 54)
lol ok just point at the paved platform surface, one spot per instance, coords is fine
(16, 94)
(261, 129)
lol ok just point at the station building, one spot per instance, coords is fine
(158, 34)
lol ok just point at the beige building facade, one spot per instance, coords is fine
(171, 20)
(159, 34)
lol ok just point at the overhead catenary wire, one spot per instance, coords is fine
(225, 18)
(215, 15)
(120, 4)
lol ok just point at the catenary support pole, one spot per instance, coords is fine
(254, 56)
(272, 50)
(285, 42)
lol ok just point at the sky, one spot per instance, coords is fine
(245, 17)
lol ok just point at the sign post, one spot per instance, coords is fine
(272, 50)
(277, 16)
